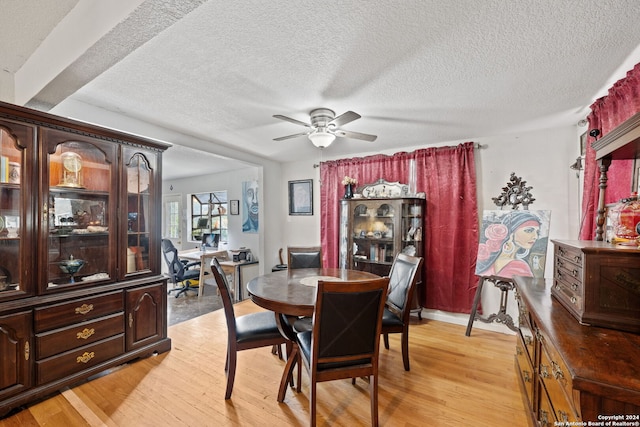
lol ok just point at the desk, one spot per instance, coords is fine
(293, 293)
(229, 267)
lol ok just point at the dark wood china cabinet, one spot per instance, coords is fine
(80, 283)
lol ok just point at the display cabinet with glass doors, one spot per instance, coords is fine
(374, 230)
(81, 289)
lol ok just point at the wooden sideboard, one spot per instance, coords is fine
(569, 372)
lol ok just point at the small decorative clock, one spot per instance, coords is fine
(71, 170)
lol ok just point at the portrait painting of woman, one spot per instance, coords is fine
(513, 243)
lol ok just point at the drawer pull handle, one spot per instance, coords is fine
(577, 259)
(561, 250)
(563, 416)
(557, 371)
(526, 376)
(544, 418)
(84, 308)
(574, 287)
(574, 273)
(86, 357)
(528, 339)
(86, 333)
(544, 371)
(27, 350)
(130, 320)
(519, 351)
(574, 300)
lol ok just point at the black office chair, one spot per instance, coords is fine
(184, 275)
(244, 332)
(345, 339)
(304, 257)
(402, 285)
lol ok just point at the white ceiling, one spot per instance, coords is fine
(419, 72)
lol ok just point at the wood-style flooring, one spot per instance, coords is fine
(454, 381)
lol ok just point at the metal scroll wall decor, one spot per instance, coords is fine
(515, 193)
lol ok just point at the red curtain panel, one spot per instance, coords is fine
(447, 175)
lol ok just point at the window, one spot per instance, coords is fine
(209, 215)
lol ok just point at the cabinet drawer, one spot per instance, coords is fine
(558, 383)
(57, 341)
(525, 369)
(68, 313)
(570, 254)
(77, 360)
(572, 278)
(568, 297)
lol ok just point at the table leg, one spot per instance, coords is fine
(286, 329)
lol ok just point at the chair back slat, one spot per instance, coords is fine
(304, 257)
(347, 318)
(402, 279)
(225, 295)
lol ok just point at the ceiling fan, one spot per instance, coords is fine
(324, 127)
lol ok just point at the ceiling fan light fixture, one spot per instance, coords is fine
(321, 139)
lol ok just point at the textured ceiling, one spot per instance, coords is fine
(419, 72)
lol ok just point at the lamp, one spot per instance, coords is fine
(321, 138)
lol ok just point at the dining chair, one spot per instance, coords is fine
(344, 342)
(184, 275)
(402, 283)
(304, 257)
(244, 332)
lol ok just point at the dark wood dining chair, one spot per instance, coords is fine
(244, 332)
(344, 342)
(402, 285)
(304, 257)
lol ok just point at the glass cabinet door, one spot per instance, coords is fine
(138, 174)
(79, 215)
(373, 234)
(16, 171)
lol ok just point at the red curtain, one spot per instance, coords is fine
(447, 176)
(622, 102)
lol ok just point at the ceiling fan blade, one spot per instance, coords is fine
(355, 135)
(289, 119)
(282, 138)
(345, 118)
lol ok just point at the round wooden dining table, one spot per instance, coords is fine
(290, 294)
(293, 292)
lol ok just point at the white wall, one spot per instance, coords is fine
(541, 158)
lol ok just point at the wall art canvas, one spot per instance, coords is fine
(250, 212)
(513, 243)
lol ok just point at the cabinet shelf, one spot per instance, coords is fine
(75, 190)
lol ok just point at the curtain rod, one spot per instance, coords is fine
(476, 145)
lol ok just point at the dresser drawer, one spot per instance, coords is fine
(59, 340)
(558, 382)
(526, 330)
(69, 313)
(525, 368)
(79, 359)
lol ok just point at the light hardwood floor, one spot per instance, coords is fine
(454, 381)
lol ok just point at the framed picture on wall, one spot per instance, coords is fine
(234, 207)
(301, 197)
